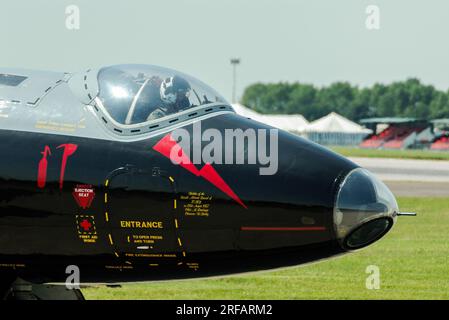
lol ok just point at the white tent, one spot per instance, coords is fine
(289, 122)
(335, 129)
(334, 122)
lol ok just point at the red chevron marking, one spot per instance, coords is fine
(165, 147)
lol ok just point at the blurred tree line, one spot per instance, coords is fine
(408, 98)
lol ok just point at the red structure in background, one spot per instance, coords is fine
(395, 135)
(441, 143)
(376, 140)
(402, 133)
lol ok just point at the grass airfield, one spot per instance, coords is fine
(392, 154)
(413, 259)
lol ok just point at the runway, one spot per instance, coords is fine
(407, 177)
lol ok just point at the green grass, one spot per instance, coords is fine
(400, 154)
(413, 259)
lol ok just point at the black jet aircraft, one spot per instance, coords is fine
(141, 173)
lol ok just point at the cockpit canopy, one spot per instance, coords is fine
(135, 94)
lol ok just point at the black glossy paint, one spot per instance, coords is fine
(39, 228)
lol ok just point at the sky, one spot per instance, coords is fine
(314, 41)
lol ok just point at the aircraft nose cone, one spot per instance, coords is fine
(364, 211)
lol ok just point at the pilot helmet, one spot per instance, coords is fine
(173, 89)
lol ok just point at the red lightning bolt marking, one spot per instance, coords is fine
(165, 146)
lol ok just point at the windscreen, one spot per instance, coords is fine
(134, 94)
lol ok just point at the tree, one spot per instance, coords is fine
(408, 98)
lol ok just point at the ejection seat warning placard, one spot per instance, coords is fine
(196, 204)
(84, 195)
